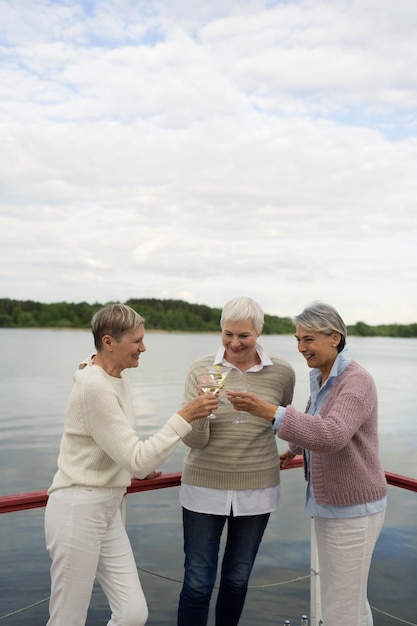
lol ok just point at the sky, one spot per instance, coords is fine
(181, 149)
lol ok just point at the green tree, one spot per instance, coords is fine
(161, 315)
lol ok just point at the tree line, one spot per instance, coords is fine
(168, 315)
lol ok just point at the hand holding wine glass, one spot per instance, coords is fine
(210, 384)
(241, 385)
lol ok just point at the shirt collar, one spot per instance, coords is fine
(219, 359)
(340, 362)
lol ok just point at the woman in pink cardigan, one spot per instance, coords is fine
(338, 437)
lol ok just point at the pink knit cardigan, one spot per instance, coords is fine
(345, 466)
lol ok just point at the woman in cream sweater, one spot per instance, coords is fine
(99, 453)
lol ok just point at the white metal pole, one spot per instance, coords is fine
(315, 604)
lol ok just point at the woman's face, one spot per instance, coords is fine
(239, 340)
(126, 352)
(318, 349)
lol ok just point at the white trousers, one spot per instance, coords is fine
(86, 539)
(345, 548)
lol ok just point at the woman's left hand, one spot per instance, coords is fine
(251, 403)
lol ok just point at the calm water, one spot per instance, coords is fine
(36, 368)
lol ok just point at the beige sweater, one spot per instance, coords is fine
(99, 446)
(223, 455)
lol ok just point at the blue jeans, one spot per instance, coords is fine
(202, 533)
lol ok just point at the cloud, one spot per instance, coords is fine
(153, 149)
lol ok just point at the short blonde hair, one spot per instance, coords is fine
(114, 320)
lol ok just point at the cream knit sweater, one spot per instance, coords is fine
(223, 455)
(99, 446)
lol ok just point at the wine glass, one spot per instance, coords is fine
(220, 372)
(239, 386)
(209, 383)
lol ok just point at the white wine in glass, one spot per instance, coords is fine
(220, 372)
(210, 384)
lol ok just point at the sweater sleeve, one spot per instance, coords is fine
(106, 421)
(349, 404)
(199, 434)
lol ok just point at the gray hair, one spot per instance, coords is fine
(243, 308)
(114, 320)
(322, 318)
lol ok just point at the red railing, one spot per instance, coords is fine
(37, 499)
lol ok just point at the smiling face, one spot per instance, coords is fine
(126, 351)
(239, 341)
(318, 349)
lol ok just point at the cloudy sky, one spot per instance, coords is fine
(202, 150)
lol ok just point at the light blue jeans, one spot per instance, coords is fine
(86, 539)
(202, 533)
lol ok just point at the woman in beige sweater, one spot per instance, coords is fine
(231, 476)
(99, 453)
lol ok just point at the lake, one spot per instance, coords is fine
(36, 368)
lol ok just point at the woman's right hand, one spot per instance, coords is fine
(285, 458)
(198, 408)
(251, 403)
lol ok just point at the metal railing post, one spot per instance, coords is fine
(315, 604)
